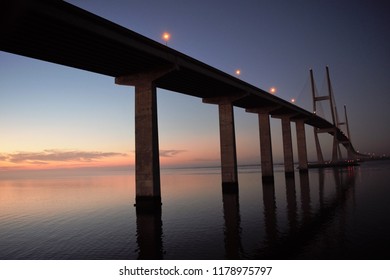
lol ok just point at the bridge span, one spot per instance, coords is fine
(58, 32)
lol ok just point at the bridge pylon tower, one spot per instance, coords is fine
(336, 152)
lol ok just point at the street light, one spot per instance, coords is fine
(166, 37)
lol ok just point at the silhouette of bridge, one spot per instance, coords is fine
(58, 32)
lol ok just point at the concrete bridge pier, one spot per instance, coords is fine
(287, 145)
(228, 145)
(267, 164)
(350, 153)
(227, 140)
(301, 142)
(147, 162)
(320, 157)
(336, 154)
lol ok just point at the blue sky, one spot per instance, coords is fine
(49, 111)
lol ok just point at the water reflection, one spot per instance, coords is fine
(232, 228)
(294, 217)
(291, 197)
(321, 180)
(301, 234)
(149, 231)
(330, 221)
(270, 221)
(308, 215)
(305, 196)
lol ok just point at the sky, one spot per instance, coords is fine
(53, 116)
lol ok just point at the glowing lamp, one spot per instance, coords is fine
(166, 36)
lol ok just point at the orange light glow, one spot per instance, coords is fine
(166, 36)
(238, 72)
(272, 90)
(293, 100)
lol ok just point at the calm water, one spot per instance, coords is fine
(325, 214)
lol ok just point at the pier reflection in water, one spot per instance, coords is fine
(149, 231)
(270, 217)
(292, 209)
(321, 214)
(305, 220)
(232, 227)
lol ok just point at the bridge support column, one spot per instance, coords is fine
(228, 145)
(147, 161)
(335, 150)
(350, 153)
(287, 145)
(267, 165)
(227, 139)
(301, 142)
(318, 147)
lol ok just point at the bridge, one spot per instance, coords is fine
(58, 32)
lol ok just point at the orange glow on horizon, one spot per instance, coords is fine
(49, 165)
(177, 158)
(272, 90)
(238, 72)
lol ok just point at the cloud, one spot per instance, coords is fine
(38, 162)
(56, 156)
(3, 157)
(170, 153)
(207, 159)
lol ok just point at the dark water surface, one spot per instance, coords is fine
(324, 214)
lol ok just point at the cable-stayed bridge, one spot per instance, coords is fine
(58, 32)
